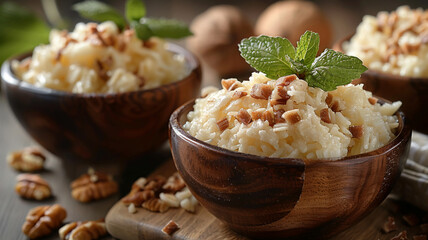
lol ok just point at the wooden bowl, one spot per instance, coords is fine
(412, 91)
(265, 197)
(99, 127)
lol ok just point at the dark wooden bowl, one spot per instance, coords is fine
(412, 91)
(266, 197)
(99, 127)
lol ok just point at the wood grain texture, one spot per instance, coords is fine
(411, 91)
(100, 127)
(203, 225)
(277, 197)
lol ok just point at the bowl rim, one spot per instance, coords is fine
(339, 47)
(174, 124)
(9, 77)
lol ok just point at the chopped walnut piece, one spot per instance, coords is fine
(329, 99)
(32, 186)
(29, 159)
(411, 219)
(257, 114)
(335, 106)
(170, 199)
(239, 94)
(230, 84)
(285, 81)
(89, 187)
(137, 198)
(170, 228)
(325, 115)
(282, 92)
(131, 208)
(144, 189)
(174, 183)
(420, 237)
(261, 91)
(356, 131)
(292, 116)
(88, 230)
(389, 225)
(400, 236)
(155, 183)
(280, 101)
(243, 117)
(149, 44)
(278, 116)
(156, 205)
(42, 220)
(373, 100)
(223, 124)
(268, 116)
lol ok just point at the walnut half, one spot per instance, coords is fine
(32, 186)
(42, 220)
(93, 186)
(29, 159)
(88, 230)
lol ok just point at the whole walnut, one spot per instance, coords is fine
(291, 19)
(217, 32)
(42, 220)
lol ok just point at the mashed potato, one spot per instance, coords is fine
(286, 118)
(395, 42)
(100, 59)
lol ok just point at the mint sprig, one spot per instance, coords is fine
(135, 12)
(100, 12)
(276, 57)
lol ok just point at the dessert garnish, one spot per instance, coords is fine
(277, 57)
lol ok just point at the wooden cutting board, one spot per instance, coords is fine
(202, 225)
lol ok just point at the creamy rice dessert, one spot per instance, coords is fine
(395, 42)
(99, 58)
(287, 118)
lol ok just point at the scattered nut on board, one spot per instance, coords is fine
(29, 159)
(389, 225)
(42, 220)
(170, 228)
(400, 236)
(32, 186)
(158, 194)
(87, 230)
(93, 186)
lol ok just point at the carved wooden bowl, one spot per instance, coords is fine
(99, 127)
(264, 197)
(412, 91)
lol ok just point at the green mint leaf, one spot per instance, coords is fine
(307, 48)
(135, 10)
(167, 28)
(267, 55)
(100, 12)
(299, 68)
(142, 30)
(332, 69)
(20, 29)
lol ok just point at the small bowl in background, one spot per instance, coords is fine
(99, 127)
(412, 91)
(266, 197)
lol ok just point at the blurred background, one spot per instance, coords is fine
(21, 35)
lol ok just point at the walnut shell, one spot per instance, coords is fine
(291, 19)
(217, 33)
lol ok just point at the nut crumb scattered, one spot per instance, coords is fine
(170, 228)
(400, 236)
(389, 225)
(131, 208)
